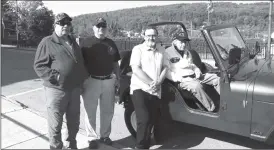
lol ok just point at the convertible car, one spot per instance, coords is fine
(245, 105)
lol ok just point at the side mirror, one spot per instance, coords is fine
(257, 47)
(234, 56)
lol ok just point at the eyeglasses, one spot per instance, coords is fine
(63, 23)
(151, 36)
(101, 26)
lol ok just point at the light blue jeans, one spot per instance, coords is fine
(60, 102)
(195, 87)
(95, 90)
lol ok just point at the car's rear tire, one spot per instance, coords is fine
(130, 120)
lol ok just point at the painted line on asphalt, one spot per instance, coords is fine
(22, 93)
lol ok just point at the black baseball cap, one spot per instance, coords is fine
(181, 36)
(62, 16)
(101, 22)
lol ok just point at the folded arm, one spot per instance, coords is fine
(138, 72)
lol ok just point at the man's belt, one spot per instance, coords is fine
(191, 76)
(101, 77)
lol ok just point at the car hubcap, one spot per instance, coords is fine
(133, 120)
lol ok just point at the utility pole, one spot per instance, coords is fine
(209, 10)
(268, 50)
(190, 28)
(17, 30)
(208, 18)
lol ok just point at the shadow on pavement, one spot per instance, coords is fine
(17, 66)
(26, 127)
(128, 142)
(236, 139)
(184, 136)
(169, 139)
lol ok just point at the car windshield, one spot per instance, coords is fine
(226, 39)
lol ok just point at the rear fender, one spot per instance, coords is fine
(125, 99)
(125, 77)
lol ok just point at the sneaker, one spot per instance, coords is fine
(106, 140)
(93, 144)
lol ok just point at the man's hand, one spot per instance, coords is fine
(181, 85)
(198, 73)
(117, 84)
(188, 79)
(154, 86)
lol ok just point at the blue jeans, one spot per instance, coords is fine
(60, 102)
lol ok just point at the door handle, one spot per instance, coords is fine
(224, 106)
(245, 103)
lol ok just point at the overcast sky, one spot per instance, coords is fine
(74, 8)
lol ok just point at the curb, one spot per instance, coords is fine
(19, 49)
(81, 130)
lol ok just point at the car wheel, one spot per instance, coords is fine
(130, 120)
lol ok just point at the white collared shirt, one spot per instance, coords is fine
(151, 62)
(178, 66)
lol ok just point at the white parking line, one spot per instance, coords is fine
(22, 93)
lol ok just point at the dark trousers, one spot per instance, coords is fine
(146, 108)
(60, 102)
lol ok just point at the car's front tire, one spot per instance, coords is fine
(130, 120)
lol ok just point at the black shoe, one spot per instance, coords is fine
(65, 147)
(106, 140)
(93, 144)
(71, 146)
(140, 147)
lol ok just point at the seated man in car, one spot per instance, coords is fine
(186, 74)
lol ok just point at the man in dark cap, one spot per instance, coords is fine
(59, 62)
(183, 71)
(101, 59)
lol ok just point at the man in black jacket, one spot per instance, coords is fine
(59, 62)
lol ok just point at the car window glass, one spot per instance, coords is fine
(227, 39)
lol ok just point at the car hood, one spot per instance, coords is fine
(253, 68)
(259, 74)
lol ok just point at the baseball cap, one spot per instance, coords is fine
(101, 22)
(62, 16)
(181, 36)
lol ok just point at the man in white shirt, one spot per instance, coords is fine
(182, 70)
(148, 74)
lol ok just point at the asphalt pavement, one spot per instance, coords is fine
(21, 87)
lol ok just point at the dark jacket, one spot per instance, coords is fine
(53, 58)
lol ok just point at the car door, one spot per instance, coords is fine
(235, 101)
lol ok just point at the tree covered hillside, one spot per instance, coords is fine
(251, 17)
